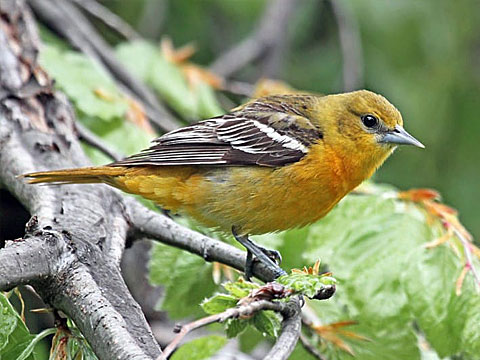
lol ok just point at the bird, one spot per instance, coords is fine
(275, 163)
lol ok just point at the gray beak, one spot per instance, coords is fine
(401, 137)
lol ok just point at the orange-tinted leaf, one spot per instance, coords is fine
(195, 74)
(418, 195)
(332, 333)
(439, 241)
(136, 114)
(315, 270)
(173, 55)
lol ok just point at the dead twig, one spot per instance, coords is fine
(310, 348)
(350, 44)
(232, 313)
(93, 140)
(290, 315)
(268, 38)
(68, 21)
(110, 19)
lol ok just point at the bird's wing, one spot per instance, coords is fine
(263, 135)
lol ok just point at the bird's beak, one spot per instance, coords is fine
(399, 136)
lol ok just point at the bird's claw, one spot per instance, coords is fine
(274, 255)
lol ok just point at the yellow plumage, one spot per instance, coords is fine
(329, 139)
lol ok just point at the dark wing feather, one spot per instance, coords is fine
(270, 137)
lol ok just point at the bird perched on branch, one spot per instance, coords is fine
(275, 163)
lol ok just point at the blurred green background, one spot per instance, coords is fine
(422, 55)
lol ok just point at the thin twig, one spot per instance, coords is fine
(350, 44)
(152, 18)
(310, 348)
(232, 313)
(93, 140)
(239, 88)
(147, 224)
(268, 36)
(291, 329)
(68, 21)
(110, 19)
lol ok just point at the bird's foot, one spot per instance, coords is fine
(270, 258)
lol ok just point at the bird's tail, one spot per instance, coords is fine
(87, 175)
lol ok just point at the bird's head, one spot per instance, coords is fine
(367, 121)
(365, 124)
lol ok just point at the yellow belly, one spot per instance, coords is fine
(254, 199)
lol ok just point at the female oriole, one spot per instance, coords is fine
(275, 163)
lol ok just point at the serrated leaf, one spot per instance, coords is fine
(366, 242)
(306, 284)
(444, 318)
(200, 349)
(471, 330)
(234, 327)
(187, 280)
(267, 322)
(219, 303)
(240, 288)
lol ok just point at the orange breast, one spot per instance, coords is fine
(255, 199)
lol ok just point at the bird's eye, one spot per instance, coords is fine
(369, 121)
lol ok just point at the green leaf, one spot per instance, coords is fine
(148, 63)
(14, 335)
(219, 303)
(366, 242)
(299, 353)
(306, 284)
(448, 321)
(374, 246)
(267, 322)
(29, 349)
(122, 135)
(234, 327)
(240, 288)
(471, 331)
(85, 83)
(207, 103)
(200, 349)
(187, 280)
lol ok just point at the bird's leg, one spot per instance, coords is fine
(266, 256)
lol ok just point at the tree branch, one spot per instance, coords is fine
(93, 140)
(68, 21)
(72, 248)
(110, 19)
(285, 343)
(151, 225)
(268, 38)
(291, 328)
(310, 348)
(232, 313)
(350, 45)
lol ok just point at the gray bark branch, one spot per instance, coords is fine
(72, 248)
(73, 244)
